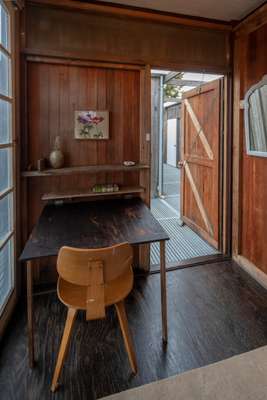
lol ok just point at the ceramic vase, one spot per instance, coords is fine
(56, 157)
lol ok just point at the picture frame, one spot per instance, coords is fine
(91, 125)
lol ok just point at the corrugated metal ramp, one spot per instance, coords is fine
(183, 243)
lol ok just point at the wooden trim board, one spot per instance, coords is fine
(199, 130)
(53, 57)
(62, 57)
(251, 269)
(252, 22)
(84, 169)
(198, 199)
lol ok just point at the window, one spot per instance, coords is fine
(255, 105)
(7, 259)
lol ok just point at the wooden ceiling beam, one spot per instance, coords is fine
(253, 22)
(106, 8)
(19, 4)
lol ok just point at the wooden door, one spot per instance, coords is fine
(200, 178)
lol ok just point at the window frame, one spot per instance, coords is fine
(7, 307)
(247, 121)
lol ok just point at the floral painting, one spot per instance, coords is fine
(92, 125)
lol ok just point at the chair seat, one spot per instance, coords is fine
(74, 296)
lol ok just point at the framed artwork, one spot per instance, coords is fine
(91, 125)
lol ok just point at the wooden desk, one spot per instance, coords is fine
(92, 225)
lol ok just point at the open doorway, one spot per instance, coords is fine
(186, 160)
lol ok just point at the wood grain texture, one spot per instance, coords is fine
(91, 275)
(201, 152)
(216, 311)
(120, 39)
(250, 173)
(92, 225)
(71, 315)
(135, 12)
(54, 92)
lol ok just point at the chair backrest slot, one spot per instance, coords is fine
(95, 296)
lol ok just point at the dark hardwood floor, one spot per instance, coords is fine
(215, 311)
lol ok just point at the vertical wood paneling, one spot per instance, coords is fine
(54, 92)
(250, 173)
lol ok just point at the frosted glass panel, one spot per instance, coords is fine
(5, 122)
(4, 74)
(6, 271)
(5, 169)
(5, 216)
(6, 164)
(258, 119)
(4, 27)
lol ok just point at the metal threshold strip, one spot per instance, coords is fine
(184, 244)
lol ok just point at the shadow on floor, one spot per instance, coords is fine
(215, 311)
(184, 243)
(171, 186)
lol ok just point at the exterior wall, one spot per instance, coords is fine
(155, 126)
(173, 112)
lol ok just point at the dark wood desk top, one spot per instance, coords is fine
(92, 225)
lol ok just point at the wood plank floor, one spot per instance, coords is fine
(215, 311)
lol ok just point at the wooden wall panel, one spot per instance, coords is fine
(254, 169)
(54, 93)
(121, 39)
(250, 173)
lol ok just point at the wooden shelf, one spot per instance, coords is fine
(84, 170)
(89, 193)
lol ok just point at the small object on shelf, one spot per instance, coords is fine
(129, 163)
(56, 157)
(105, 188)
(41, 164)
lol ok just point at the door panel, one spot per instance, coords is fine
(200, 155)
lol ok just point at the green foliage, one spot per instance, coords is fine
(171, 90)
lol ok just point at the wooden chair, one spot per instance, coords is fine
(92, 280)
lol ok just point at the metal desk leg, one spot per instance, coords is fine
(30, 314)
(163, 292)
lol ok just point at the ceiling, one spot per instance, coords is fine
(225, 10)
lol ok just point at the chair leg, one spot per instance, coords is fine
(120, 308)
(63, 346)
